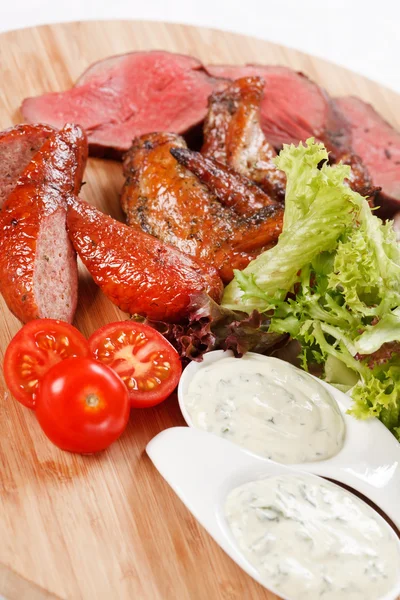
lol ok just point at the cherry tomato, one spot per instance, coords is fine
(82, 405)
(142, 357)
(34, 350)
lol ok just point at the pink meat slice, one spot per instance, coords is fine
(378, 145)
(125, 96)
(55, 278)
(294, 108)
(17, 146)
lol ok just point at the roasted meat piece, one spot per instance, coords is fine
(136, 271)
(38, 270)
(124, 96)
(17, 146)
(293, 107)
(359, 180)
(168, 201)
(378, 145)
(231, 188)
(233, 135)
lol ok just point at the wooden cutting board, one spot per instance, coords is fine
(108, 526)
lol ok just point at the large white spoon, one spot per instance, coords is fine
(369, 461)
(202, 469)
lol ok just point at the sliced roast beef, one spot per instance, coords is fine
(126, 96)
(293, 108)
(378, 145)
(17, 147)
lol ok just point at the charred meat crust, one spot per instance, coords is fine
(168, 201)
(264, 228)
(231, 188)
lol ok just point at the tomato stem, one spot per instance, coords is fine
(92, 400)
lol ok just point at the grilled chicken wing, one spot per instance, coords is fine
(231, 188)
(233, 135)
(168, 201)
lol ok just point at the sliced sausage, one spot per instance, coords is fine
(17, 147)
(135, 270)
(38, 271)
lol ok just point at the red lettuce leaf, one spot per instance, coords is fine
(211, 327)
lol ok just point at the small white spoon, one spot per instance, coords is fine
(202, 469)
(369, 461)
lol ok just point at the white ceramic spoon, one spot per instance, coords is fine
(202, 469)
(369, 461)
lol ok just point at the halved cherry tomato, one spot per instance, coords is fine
(142, 357)
(34, 350)
(82, 405)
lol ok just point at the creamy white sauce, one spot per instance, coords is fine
(313, 540)
(267, 406)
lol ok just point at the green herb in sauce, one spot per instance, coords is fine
(267, 406)
(311, 539)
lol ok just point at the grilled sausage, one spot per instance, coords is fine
(38, 271)
(136, 271)
(17, 147)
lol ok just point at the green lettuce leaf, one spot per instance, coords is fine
(332, 283)
(378, 395)
(367, 267)
(299, 193)
(319, 207)
(386, 330)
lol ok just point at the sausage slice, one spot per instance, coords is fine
(17, 146)
(38, 270)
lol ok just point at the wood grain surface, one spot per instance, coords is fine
(108, 526)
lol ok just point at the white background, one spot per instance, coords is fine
(363, 35)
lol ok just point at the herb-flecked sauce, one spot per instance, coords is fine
(312, 540)
(267, 406)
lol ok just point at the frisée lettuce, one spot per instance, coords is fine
(332, 283)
